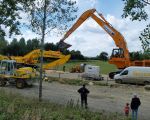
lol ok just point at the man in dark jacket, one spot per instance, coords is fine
(84, 92)
(135, 103)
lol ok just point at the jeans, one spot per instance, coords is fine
(84, 101)
(134, 114)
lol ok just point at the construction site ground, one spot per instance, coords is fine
(101, 98)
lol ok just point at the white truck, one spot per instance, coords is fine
(92, 73)
(133, 74)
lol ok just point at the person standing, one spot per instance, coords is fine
(84, 92)
(126, 109)
(64, 67)
(135, 103)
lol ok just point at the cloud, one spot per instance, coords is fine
(27, 34)
(147, 9)
(24, 16)
(120, 24)
(93, 3)
(6, 29)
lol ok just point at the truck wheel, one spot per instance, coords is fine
(146, 83)
(2, 83)
(20, 84)
(111, 75)
(119, 81)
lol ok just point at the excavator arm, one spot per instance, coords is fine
(32, 58)
(121, 57)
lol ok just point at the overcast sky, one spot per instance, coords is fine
(90, 38)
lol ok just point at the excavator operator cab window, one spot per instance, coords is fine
(118, 52)
(3, 67)
(6, 67)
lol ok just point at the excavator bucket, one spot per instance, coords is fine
(62, 45)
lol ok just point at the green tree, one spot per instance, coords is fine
(35, 44)
(14, 48)
(50, 46)
(103, 56)
(47, 15)
(146, 55)
(10, 17)
(136, 56)
(3, 44)
(22, 45)
(76, 55)
(139, 55)
(135, 9)
(145, 39)
(29, 45)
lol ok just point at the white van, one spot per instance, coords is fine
(133, 74)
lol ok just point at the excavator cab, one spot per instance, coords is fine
(7, 67)
(117, 53)
(12, 74)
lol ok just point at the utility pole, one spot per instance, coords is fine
(42, 48)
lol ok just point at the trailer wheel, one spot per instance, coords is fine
(2, 83)
(20, 84)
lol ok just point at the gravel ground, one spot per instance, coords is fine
(109, 99)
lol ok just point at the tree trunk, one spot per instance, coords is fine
(42, 48)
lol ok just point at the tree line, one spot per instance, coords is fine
(21, 47)
(10, 18)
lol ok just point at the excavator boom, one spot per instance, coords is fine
(122, 59)
(120, 56)
(82, 18)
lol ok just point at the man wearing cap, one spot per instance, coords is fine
(135, 103)
(84, 92)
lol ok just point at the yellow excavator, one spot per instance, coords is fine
(32, 58)
(120, 56)
(11, 73)
(13, 69)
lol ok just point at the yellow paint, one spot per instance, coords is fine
(139, 73)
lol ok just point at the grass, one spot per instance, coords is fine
(105, 67)
(16, 107)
